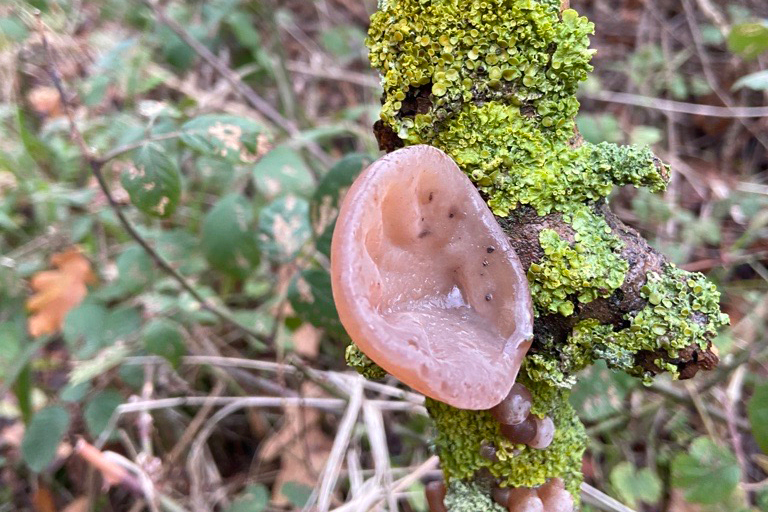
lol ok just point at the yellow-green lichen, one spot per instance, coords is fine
(462, 436)
(683, 311)
(524, 51)
(513, 160)
(470, 497)
(363, 364)
(588, 267)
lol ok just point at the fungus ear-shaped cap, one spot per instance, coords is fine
(426, 282)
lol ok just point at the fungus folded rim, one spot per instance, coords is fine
(466, 381)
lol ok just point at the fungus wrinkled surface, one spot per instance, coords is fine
(426, 282)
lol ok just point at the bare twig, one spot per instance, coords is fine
(680, 107)
(599, 499)
(340, 442)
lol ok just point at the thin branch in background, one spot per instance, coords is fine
(237, 83)
(664, 105)
(709, 74)
(599, 499)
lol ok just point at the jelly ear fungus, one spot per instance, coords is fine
(426, 282)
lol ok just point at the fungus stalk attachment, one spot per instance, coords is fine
(435, 291)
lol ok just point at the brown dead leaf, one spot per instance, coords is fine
(306, 341)
(301, 445)
(42, 500)
(45, 100)
(58, 291)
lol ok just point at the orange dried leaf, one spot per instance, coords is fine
(58, 291)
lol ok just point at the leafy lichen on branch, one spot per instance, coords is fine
(493, 84)
(470, 441)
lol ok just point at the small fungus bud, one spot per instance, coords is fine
(522, 433)
(545, 432)
(555, 497)
(515, 407)
(426, 282)
(435, 493)
(523, 499)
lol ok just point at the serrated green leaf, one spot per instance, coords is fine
(311, 299)
(749, 39)
(162, 337)
(228, 237)
(233, 138)
(635, 486)
(324, 207)
(99, 410)
(284, 228)
(282, 171)
(757, 410)
(153, 181)
(708, 474)
(254, 498)
(42, 437)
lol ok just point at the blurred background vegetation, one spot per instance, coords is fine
(168, 339)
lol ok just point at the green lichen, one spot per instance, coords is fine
(523, 51)
(588, 267)
(363, 364)
(470, 497)
(683, 311)
(515, 161)
(493, 84)
(462, 434)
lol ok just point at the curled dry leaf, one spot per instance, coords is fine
(58, 291)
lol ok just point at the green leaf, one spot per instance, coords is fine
(284, 228)
(162, 337)
(74, 393)
(749, 39)
(99, 410)
(601, 392)
(83, 328)
(153, 181)
(13, 29)
(42, 437)
(236, 139)
(311, 299)
(324, 207)
(598, 128)
(757, 81)
(635, 486)
(708, 474)
(228, 237)
(298, 494)
(134, 269)
(757, 410)
(181, 249)
(11, 338)
(282, 171)
(254, 498)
